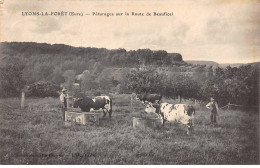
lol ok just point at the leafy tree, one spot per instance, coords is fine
(11, 81)
(183, 86)
(69, 76)
(105, 83)
(175, 57)
(234, 85)
(57, 76)
(144, 81)
(43, 89)
(97, 68)
(87, 81)
(158, 57)
(144, 56)
(43, 71)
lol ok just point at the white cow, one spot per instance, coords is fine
(181, 113)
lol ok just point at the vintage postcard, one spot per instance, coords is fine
(129, 82)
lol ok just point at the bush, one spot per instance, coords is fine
(43, 89)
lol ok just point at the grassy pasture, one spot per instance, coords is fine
(37, 135)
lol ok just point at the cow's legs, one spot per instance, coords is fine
(104, 113)
(163, 122)
(215, 118)
(211, 117)
(188, 130)
(161, 116)
(110, 113)
(190, 127)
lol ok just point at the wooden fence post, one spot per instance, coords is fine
(179, 97)
(22, 99)
(132, 102)
(68, 103)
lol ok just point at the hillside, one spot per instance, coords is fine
(141, 56)
(42, 61)
(46, 62)
(117, 71)
(59, 63)
(222, 65)
(253, 64)
(209, 63)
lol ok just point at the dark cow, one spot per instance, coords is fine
(87, 104)
(146, 97)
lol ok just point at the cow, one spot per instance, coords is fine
(152, 108)
(99, 101)
(181, 113)
(147, 97)
(87, 104)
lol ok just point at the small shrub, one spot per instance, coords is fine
(43, 89)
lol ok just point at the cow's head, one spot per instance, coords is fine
(149, 108)
(137, 96)
(187, 109)
(190, 110)
(152, 108)
(76, 102)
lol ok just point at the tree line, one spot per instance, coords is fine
(47, 62)
(238, 85)
(45, 66)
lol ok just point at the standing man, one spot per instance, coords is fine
(63, 99)
(213, 106)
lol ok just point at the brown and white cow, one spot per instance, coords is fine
(107, 107)
(181, 113)
(87, 104)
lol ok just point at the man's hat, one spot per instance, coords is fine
(64, 89)
(212, 99)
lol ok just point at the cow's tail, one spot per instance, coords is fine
(110, 110)
(160, 99)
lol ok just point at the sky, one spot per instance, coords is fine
(212, 30)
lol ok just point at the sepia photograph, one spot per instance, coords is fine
(129, 82)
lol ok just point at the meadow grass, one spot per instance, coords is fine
(37, 135)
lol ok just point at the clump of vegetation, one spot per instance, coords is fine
(43, 89)
(235, 85)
